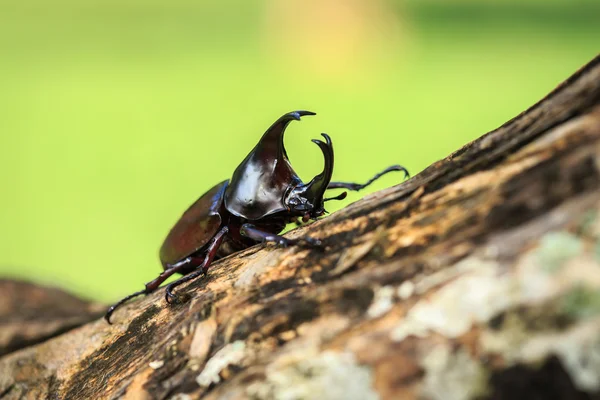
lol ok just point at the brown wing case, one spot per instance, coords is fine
(195, 228)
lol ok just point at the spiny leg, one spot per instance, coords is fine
(252, 232)
(358, 186)
(154, 284)
(211, 252)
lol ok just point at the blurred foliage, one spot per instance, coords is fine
(116, 115)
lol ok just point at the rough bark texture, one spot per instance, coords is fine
(478, 278)
(30, 314)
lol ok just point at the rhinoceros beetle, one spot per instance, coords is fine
(262, 197)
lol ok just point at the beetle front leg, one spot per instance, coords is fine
(252, 232)
(357, 186)
(211, 252)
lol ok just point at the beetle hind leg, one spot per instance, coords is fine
(152, 285)
(112, 308)
(357, 186)
(211, 252)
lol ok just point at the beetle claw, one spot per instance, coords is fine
(169, 296)
(313, 242)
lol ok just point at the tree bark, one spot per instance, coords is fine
(478, 278)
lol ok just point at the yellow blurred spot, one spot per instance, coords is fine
(330, 38)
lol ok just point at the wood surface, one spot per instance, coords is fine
(479, 278)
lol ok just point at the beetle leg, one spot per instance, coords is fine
(152, 285)
(358, 186)
(211, 252)
(251, 232)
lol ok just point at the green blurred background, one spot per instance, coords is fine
(117, 114)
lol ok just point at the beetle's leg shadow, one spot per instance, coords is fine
(252, 232)
(154, 284)
(357, 186)
(202, 268)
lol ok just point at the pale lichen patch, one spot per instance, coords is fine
(475, 290)
(475, 296)
(203, 337)
(383, 301)
(537, 285)
(405, 290)
(156, 364)
(181, 396)
(452, 375)
(578, 348)
(580, 354)
(308, 375)
(589, 223)
(581, 302)
(556, 248)
(429, 282)
(231, 354)
(597, 251)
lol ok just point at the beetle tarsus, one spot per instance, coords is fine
(211, 252)
(311, 242)
(172, 298)
(281, 242)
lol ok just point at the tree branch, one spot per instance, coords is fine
(478, 278)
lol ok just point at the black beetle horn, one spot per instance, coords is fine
(272, 141)
(317, 186)
(259, 184)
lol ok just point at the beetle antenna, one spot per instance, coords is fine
(358, 186)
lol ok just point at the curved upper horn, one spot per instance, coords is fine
(259, 184)
(271, 143)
